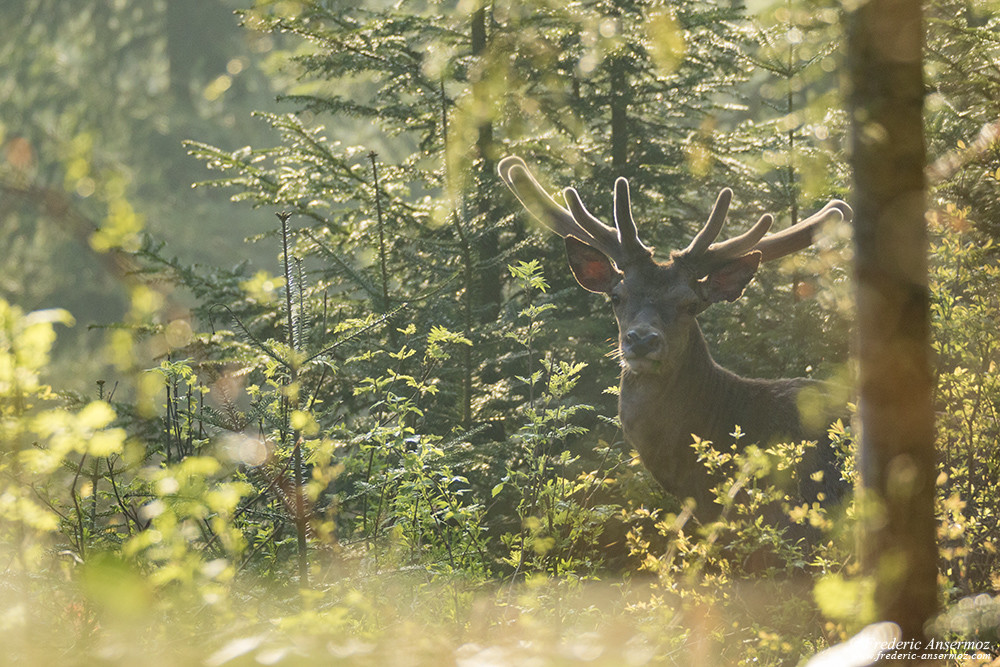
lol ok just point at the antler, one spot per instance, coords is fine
(706, 256)
(621, 243)
(800, 235)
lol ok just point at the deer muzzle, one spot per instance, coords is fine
(642, 348)
(641, 344)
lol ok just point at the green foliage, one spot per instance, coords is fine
(96, 101)
(742, 572)
(558, 522)
(399, 447)
(964, 310)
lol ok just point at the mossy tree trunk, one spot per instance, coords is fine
(896, 383)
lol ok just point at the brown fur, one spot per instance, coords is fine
(671, 388)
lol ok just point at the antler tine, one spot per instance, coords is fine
(602, 237)
(628, 234)
(534, 198)
(577, 222)
(800, 235)
(712, 228)
(742, 244)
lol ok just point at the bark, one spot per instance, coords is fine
(896, 383)
(620, 94)
(489, 281)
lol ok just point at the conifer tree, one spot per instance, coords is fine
(590, 91)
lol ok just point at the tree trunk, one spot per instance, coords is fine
(896, 383)
(620, 94)
(489, 281)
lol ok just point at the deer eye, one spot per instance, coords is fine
(616, 299)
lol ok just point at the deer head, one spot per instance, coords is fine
(656, 303)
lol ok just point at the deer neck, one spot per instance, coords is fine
(660, 412)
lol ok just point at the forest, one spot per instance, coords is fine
(290, 376)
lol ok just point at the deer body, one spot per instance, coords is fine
(661, 413)
(671, 388)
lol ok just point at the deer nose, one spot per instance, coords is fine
(641, 344)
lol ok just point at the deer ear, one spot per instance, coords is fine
(727, 282)
(591, 267)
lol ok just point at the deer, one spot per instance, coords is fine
(671, 389)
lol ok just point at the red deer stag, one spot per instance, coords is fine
(671, 387)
